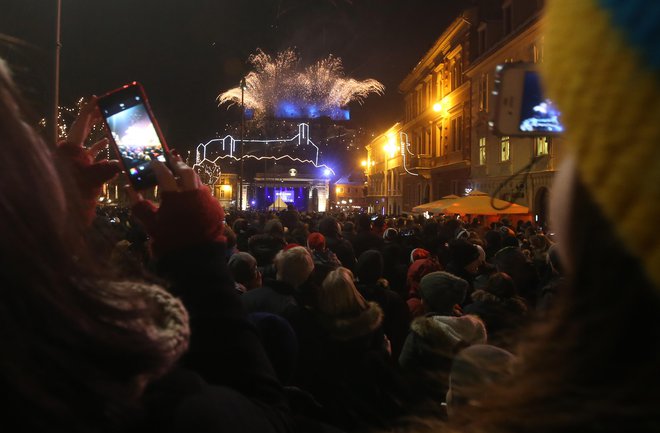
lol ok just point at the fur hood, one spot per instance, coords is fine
(450, 331)
(346, 328)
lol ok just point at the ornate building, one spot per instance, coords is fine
(443, 144)
(516, 37)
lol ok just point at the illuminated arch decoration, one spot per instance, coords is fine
(228, 144)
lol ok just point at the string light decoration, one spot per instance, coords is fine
(228, 144)
(405, 150)
(279, 88)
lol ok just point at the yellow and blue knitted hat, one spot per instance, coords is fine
(602, 67)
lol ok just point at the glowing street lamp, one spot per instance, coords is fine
(390, 147)
(437, 107)
(363, 163)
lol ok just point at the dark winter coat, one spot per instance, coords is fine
(276, 297)
(397, 316)
(229, 383)
(345, 365)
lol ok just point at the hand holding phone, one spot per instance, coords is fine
(521, 107)
(134, 133)
(90, 175)
(188, 215)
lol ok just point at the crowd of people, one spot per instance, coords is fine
(179, 318)
(362, 316)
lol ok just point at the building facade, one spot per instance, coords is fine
(436, 110)
(385, 171)
(443, 145)
(517, 37)
(351, 192)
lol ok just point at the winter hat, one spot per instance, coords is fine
(243, 267)
(316, 242)
(417, 270)
(501, 285)
(287, 247)
(464, 330)
(605, 78)
(166, 324)
(369, 266)
(390, 234)
(463, 252)
(418, 254)
(440, 291)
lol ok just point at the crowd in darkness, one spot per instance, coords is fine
(367, 320)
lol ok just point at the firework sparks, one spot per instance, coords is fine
(278, 86)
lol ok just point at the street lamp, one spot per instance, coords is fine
(240, 189)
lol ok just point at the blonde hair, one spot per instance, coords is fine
(294, 266)
(338, 295)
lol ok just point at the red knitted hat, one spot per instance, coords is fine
(316, 242)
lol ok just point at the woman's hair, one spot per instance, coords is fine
(592, 365)
(70, 356)
(338, 295)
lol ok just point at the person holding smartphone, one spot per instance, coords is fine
(85, 350)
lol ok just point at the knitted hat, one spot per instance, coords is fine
(418, 254)
(466, 329)
(316, 242)
(417, 270)
(441, 290)
(602, 69)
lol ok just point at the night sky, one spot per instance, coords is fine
(186, 53)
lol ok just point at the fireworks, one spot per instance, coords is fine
(279, 87)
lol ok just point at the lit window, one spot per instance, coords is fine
(542, 145)
(506, 148)
(482, 151)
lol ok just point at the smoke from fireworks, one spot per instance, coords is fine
(280, 81)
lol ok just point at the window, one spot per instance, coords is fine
(541, 145)
(438, 86)
(483, 92)
(482, 151)
(457, 73)
(506, 148)
(438, 140)
(481, 35)
(427, 141)
(457, 134)
(428, 87)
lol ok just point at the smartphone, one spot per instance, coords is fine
(134, 133)
(521, 107)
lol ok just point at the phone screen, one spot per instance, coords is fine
(128, 118)
(537, 113)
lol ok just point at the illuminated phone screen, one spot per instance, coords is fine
(537, 113)
(134, 133)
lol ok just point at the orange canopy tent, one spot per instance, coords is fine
(436, 206)
(480, 203)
